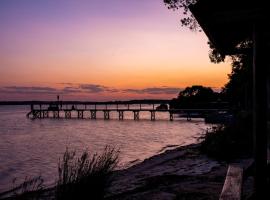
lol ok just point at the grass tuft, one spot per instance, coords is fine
(86, 176)
(29, 189)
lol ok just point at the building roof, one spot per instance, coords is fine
(229, 22)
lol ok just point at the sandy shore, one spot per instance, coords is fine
(182, 173)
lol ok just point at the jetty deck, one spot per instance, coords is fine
(89, 110)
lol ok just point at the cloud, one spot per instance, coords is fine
(67, 83)
(23, 89)
(68, 89)
(93, 88)
(155, 90)
(71, 88)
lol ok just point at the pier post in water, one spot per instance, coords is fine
(80, 114)
(153, 115)
(188, 116)
(136, 114)
(42, 114)
(121, 114)
(39, 114)
(93, 114)
(171, 116)
(67, 114)
(55, 114)
(106, 114)
(45, 114)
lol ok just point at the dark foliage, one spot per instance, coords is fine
(214, 55)
(238, 91)
(231, 141)
(189, 20)
(196, 96)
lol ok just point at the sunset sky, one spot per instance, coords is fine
(100, 50)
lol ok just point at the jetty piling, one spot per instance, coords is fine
(136, 114)
(106, 114)
(121, 114)
(93, 114)
(153, 115)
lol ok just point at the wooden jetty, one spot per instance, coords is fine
(89, 110)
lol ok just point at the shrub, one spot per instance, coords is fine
(229, 141)
(85, 177)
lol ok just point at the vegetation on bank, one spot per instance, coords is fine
(198, 96)
(79, 177)
(230, 141)
(85, 177)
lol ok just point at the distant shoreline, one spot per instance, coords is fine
(143, 101)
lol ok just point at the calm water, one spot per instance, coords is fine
(33, 147)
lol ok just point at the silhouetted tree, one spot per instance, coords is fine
(189, 20)
(196, 96)
(239, 88)
(197, 93)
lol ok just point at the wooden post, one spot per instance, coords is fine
(46, 114)
(80, 114)
(153, 115)
(55, 114)
(121, 114)
(68, 114)
(171, 116)
(39, 114)
(260, 64)
(188, 116)
(106, 114)
(136, 115)
(93, 114)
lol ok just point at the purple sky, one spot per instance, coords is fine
(127, 45)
